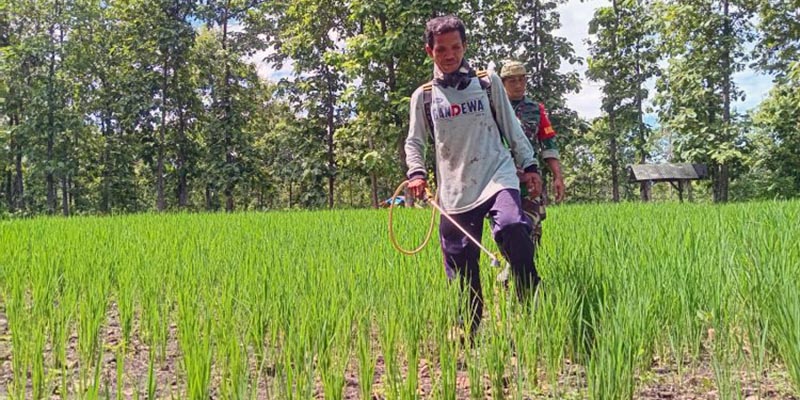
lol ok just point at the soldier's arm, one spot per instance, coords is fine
(521, 148)
(547, 135)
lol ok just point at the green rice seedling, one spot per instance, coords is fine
(611, 368)
(754, 292)
(334, 356)
(266, 292)
(151, 373)
(786, 317)
(18, 323)
(66, 298)
(366, 358)
(37, 343)
(578, 270)
(92, 304)
(498, 342)
(448, 350)
(448, 346)
(259, 310)
(194, 339)
(229, 323)
(334, 322)
(125, 289)
(551, 322)
(776, 258)
(724, 357)
(474, 371)
(721, 319)
(43, 285)
(526, 339)
(231, 358)
(389, 335)
(412, 320)
(297, 354)
(120, 358)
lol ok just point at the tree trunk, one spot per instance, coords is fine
(74, 190)
(226, 101)
(290, 193)
(65, 196)
(726, 99)
(612, 123)
(50, 182)
(373, 179)
(331, 131)
(7, 189)
(15, 195)
(162, 138)
(183, 184)
(612, 155)
(106, 162)
(391, 85)
(373, 185)
(724, 178)
(19, 184)
(229, 203)
(612, 149)
(644, 189)
(720, 179)
(536, 77)
(50, 178)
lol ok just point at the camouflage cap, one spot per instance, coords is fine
(512, 68)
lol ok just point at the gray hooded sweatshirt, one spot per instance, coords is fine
(472, 164)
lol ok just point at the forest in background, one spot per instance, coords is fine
(124, 106)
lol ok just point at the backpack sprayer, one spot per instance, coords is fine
(433, 200)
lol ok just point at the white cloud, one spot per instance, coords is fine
(755, 86)
(575, 17)
(266, 70)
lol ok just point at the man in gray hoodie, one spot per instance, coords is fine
(476, 175)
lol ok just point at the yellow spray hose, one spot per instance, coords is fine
(391, 225)
(495, 259)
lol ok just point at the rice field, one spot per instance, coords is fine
(639, 301)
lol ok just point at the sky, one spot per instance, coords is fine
(575, 16)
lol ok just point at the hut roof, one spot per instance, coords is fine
(666, 172)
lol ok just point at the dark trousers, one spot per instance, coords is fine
(511, 230)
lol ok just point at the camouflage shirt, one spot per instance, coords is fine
(536, 127)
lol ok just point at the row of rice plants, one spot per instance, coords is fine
(317, 304)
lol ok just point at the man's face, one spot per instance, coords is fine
(515, 86)
(447, 51)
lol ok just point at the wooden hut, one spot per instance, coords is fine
(678, 175)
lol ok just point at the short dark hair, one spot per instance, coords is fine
(444, 24)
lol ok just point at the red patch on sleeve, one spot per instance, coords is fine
(546, 130)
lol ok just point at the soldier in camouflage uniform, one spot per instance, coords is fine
(539, 131)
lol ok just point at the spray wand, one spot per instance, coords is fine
(495, 261)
